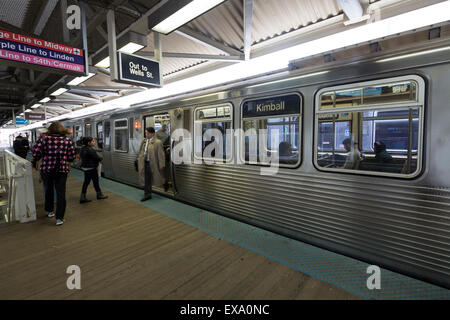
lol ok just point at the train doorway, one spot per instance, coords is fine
(162, 124)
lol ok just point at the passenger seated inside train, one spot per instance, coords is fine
(383, 161)
(381, 155)
(353, 156)
(286, 154)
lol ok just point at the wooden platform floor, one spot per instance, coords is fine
(127, 251)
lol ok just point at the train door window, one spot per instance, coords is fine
(121, 135)
(87, 130)
(77, 133)
(212, 131)
(131, 126)
(100, 135)
(380, 134)
(272, 129)
(107, 145)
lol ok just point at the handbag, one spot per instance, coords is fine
(77, 162)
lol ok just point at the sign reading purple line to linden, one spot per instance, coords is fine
(138, 70)
(23, 49)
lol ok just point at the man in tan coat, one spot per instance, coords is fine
(150, 163)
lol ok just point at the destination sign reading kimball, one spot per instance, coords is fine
(137, 70)
(23, 49)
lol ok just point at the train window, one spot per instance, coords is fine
(372, 94)
(107, 145)
(87, 130)
(100, 135)
(212, 131)
(121, 135)
(277, 121)
(131, 126)
(380, 135)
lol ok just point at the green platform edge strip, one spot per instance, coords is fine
(343, 272)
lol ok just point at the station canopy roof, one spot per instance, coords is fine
(231, 32)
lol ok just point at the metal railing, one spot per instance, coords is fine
(16, 180)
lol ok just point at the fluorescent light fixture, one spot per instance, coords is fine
(79, 80)
(414, 54)
(128, 48)
(46, 99)
(36, 105)
(130, 42)
(28, 110)
(185, 14)
(131, 47)
(58, 92)
(103, 63)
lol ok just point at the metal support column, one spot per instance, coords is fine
(84, 37)
(158, 52)
(112, 46)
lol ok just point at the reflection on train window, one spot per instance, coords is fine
(100, 135)
(87, 130)
(382, 139)
(371, 94)
(121, 135)
(107, 135)
(272, 129)
(212, 132)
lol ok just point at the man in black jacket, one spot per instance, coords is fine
(89, 163)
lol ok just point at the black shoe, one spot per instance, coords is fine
(83, 198)
(146, 198)
(101, 196)
(166, 187)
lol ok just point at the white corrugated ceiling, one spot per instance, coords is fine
(13, 11)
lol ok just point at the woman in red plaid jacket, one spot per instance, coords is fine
(56, 152)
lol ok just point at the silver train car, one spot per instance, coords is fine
(363, 157)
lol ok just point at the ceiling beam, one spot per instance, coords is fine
(102, 32)
(104, 88)
(99, 92)
(248, 16)
(207, 41)
(81, 98)
(43, 15)
(191, 56)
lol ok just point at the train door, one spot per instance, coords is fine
(106, 148)
(163, 127)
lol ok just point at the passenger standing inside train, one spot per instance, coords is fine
(150, 163)
(89, 164)
(56, 152)
(353, 156)
(162, 135)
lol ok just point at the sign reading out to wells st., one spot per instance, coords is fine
(274, 106)
(137, 70)
(18, 48)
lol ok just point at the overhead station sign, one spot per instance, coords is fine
(138, 70)
(34, 116)
(23, 49)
